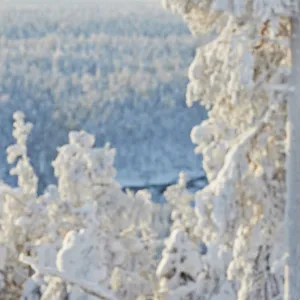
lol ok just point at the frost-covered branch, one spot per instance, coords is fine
(91, 288)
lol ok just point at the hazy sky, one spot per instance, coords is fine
(157, 2)
(110, 3)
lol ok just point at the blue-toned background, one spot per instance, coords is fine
(117, 71)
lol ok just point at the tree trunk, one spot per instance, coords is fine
(292, 216)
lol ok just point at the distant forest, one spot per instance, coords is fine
(120, 75)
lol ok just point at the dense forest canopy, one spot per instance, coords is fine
(120, 74)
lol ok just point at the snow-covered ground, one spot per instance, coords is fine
(118, 72)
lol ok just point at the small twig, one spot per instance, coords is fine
(9, 191)
(263, 31)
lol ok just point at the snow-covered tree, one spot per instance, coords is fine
(81, 239)
(180, 202)
(240, 74)
(180, 266)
